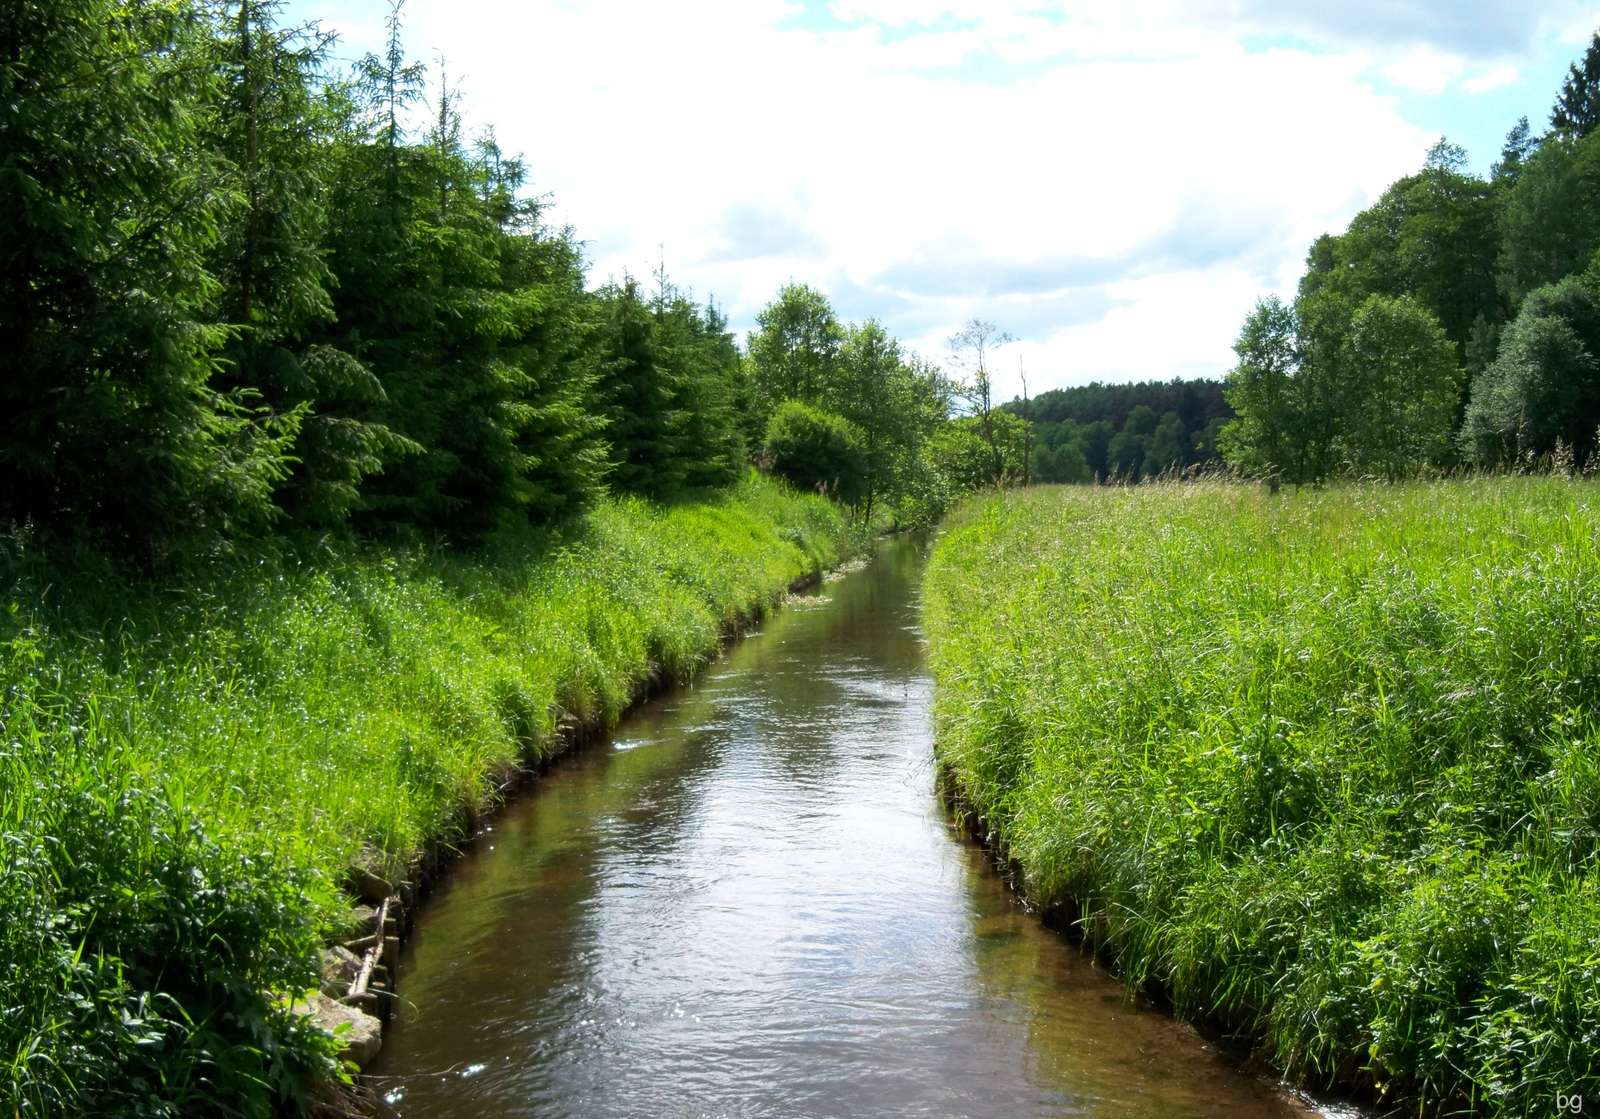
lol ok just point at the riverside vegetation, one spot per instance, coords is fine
(189, 768)
(327, 484)
(1322, 768)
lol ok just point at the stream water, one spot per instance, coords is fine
(751, 903)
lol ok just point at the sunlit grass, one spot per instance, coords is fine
(1324, 768)
(188, 770)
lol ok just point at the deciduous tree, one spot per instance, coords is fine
(971, 349)
(1405, 386)
(1259, 388)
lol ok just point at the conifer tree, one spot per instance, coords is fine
(1577, 107)
(638, 392)
(382, 309)
(421, 301)
(1519, 147)
(109, 414)
(272, 132)
(695, 344)
(559, 436)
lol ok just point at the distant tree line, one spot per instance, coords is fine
(1455, 322)
(1124, 431)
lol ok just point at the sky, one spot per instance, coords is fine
(1115, 182)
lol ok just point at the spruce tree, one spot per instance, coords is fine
(1577, 107)
(272, 131)
(559, 437)
(110, 417)
(421, 302)
(696, 346)
(1519, 147)
(638, 392)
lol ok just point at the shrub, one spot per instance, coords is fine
(817, 450)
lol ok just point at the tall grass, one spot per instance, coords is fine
(188, 770)
(1323, 769)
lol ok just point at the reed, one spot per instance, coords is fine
(189, 767)
(1322, 769)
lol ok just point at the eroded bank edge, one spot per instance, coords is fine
(360, 973)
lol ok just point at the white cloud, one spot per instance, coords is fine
(1425, 69)
(1116, 185)
(1491, 79)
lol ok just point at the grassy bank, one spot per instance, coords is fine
(188, 770)
(1324, 769)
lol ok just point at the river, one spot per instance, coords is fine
(750, 902)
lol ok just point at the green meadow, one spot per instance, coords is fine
(1320, 770)
(190, 766)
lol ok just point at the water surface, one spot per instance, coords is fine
(751, 903)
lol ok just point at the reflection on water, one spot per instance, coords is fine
(752, 904)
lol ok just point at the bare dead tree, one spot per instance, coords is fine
(970, 348)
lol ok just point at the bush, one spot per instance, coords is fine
(1543, 386)
(817, 450)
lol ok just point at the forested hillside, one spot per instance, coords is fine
(1455, 322)
(1126, 431)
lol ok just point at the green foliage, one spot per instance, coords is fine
(794, 353)
(1259, 389)
(1063, 461)
(1577, 108)
(1520, 144)
(1552, 215)
(1432, 236)
(108, 414)
(558, 430)
(1404, 386)
(1333, 789)
(1469, 252)
(252, 292)
(668, 386)
(1544, 385)
(137, 943)
(817, 450)
(422, 301)
(961, 456)
(896, 402)
(712, 445)
(1371, 389)
(274, 137)
(971, 352)
(188, 769)
(639, 387)
(1074, 428)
